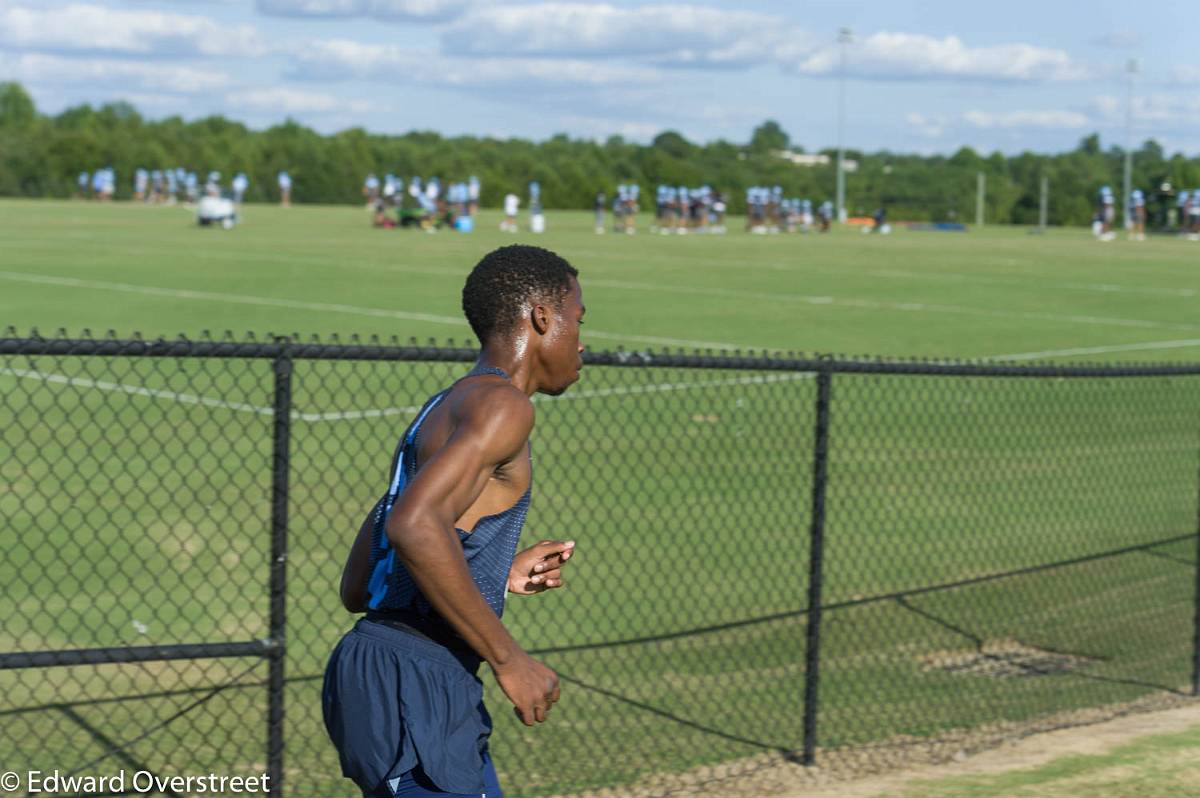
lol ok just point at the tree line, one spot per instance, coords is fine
(42, 155)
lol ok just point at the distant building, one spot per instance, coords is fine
(814, 159)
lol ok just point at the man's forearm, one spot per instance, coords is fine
(435, 559)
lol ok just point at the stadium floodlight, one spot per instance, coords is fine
(845, 36)
(1131, 69)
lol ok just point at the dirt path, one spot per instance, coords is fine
(1020, 754)
(884, 769)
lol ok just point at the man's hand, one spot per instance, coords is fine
(539, 567)
(530, 685)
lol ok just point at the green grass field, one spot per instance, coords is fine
(988, 293)
(138, 490)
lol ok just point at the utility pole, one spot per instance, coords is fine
(844, 38)
(1131, 69)
(980, 193)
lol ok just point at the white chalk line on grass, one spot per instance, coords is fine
(135, 390)
(867, 304)
(325, 307)
(350, 415)
(581, 394)
(1186, 343)
(1031, 280)
(911, 307)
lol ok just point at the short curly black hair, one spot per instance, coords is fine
(506, 280)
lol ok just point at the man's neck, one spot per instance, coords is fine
(514, 361)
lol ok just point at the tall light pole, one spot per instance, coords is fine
(1131, 69)
(844, 38)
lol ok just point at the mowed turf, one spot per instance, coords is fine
(985, 293)
(138, 490)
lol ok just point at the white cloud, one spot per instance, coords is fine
(1050, 120)
(674, 35)
(909, 56)
(390, 10)
(82, 27)
(928, 125)
(601, 127)
(53, 69)
(294, 101)
(339, 59)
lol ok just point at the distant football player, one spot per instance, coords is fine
(1108, 213)
(598, 208)
(631, 208)
(285, 189)
(1137, 215)
(472, 195)
(158, 187)
(824, 216)
(240, 184)
(1194, 215)
(512, 203)
(719, 206)
(141, 183)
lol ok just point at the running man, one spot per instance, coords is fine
(437, 556)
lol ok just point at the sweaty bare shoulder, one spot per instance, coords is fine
(497, 415)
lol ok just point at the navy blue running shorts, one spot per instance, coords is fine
(405, 713)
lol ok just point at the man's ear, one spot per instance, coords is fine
(539, 315)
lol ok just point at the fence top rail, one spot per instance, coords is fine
(293, 347)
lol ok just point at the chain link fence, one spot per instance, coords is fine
(782, 560)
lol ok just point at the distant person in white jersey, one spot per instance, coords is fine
(240, 184)
(472, 195)
(141, 181)
(1108, 213)
(1194, 215)
(598, 207)
(512, 204)
(1137, 215)
(285, 189)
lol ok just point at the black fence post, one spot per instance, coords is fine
(1196, 612)
(281, 438)
(816, 541)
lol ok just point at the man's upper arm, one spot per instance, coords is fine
(492, 428)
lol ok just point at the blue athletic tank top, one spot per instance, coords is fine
(489, 548)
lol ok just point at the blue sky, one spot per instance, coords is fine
(922, 77)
